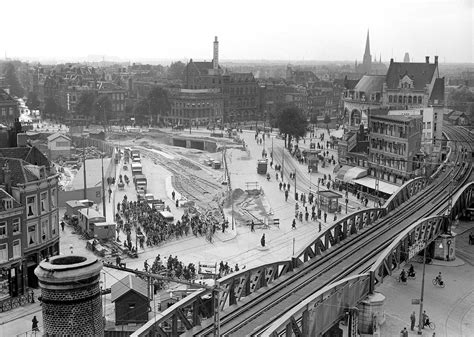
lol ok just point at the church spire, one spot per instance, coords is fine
(367, 44)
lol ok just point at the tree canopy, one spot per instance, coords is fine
(51, 108)
(11, 79)
(33, 102)
(292, 122)
(327, 120)
(103, 108)
(140, 110)
(85, 104)
(176, 70)
(159, 104)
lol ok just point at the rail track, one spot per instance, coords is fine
(255, 314)
(192, 186)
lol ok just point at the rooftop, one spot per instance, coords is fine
(398, 118)
(128, 283)
(420, 73)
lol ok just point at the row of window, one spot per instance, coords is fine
(43, 233)
(381, 144)
(33, 208)
(241, 91)
(4, 250)
(16, 228)
(387, 162)
(118, 107)
(405, 99)
(193, 113)
(178, 104)
(10, 111)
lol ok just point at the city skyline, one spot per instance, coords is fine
(256, 31)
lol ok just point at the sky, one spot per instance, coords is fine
(298, 30)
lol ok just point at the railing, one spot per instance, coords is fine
(405, 192)
(15, 302)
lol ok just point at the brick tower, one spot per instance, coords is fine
(71, 296)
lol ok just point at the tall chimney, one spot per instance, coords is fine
(7, 177)
(215, 60)
(436, 59)
(427, 59)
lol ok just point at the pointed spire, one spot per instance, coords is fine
(380, 60)
(367, 44)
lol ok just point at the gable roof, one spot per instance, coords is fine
(420, 73)
(370, 83)
(128, 283)
(57, 135)
(19, 174)
(437, 93)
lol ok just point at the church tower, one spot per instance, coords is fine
(367, 62)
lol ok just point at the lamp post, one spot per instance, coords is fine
(103, 187)
(420, 317)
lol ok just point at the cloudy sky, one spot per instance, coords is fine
(247, 29)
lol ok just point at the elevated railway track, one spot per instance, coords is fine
(252, 316)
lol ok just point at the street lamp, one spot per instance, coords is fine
(103, 187)
(421, 322)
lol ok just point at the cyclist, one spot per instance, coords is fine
(439, 278)
(403, 276)
(411, 271)
(426, 319)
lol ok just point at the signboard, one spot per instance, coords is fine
(415, 301)
(415, 248)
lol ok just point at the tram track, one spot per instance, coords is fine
(260, 309)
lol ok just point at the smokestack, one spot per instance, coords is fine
(436, 59)
(427, 59)
(215, 60)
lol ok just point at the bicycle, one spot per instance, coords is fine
(436, 282)
(431, 325)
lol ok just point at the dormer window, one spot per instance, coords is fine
(406, 82)
(7, 203)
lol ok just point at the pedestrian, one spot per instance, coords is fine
(293, 225)
(284, 186)
(173, 195)
(62, 226)
(325, 217)
(262, 240)
(177, 203)
(412, 321)
(145, 265)
(286, 195)
(118, 260)
(404, 332)
(319, 226)
(34, 324)
(252, 226)
(280, 185)
(288, 186)
(70, 247)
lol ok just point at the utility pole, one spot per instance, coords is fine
(84, 164)
(103, 187)
(282, 163)
(217, 320)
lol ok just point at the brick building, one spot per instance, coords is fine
(195, 107)
(394, 147)
(8, 108)
(240, 89)
(28, 177)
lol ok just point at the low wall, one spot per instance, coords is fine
(93, 193)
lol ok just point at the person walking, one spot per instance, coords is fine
(262, 240)
(293, 225)
(286, 195)
(34, 324)
(252, 226)
(412, 321)
(62, 226)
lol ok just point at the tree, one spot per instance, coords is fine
(103, 109)
(159, 103)
(327, 120)
(176, 70)
(141, 110)
(292, 123)
(51, 109)
(11, 79)
(85, 104)
(33, 102)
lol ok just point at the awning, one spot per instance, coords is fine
(348, 173)
(383, 186)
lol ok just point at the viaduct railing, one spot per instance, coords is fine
(303, 320)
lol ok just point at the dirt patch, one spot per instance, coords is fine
(248, 207)
(189, 164)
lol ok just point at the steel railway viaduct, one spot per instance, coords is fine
(327, 280)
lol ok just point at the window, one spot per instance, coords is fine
(31, 206)
(16, 226)
(53, 198)
(7, 203)
(54, 226)
(428, 125)
(3, 252)
(3, 230)
(44, 230)
(32, 235)
(16, 248)
(44, 202)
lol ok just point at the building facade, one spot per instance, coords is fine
(28, 177)
(9, 110)
(195, 107)
(394, 147)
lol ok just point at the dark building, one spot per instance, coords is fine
(130, 295)
(240, 89)
(8, 108)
